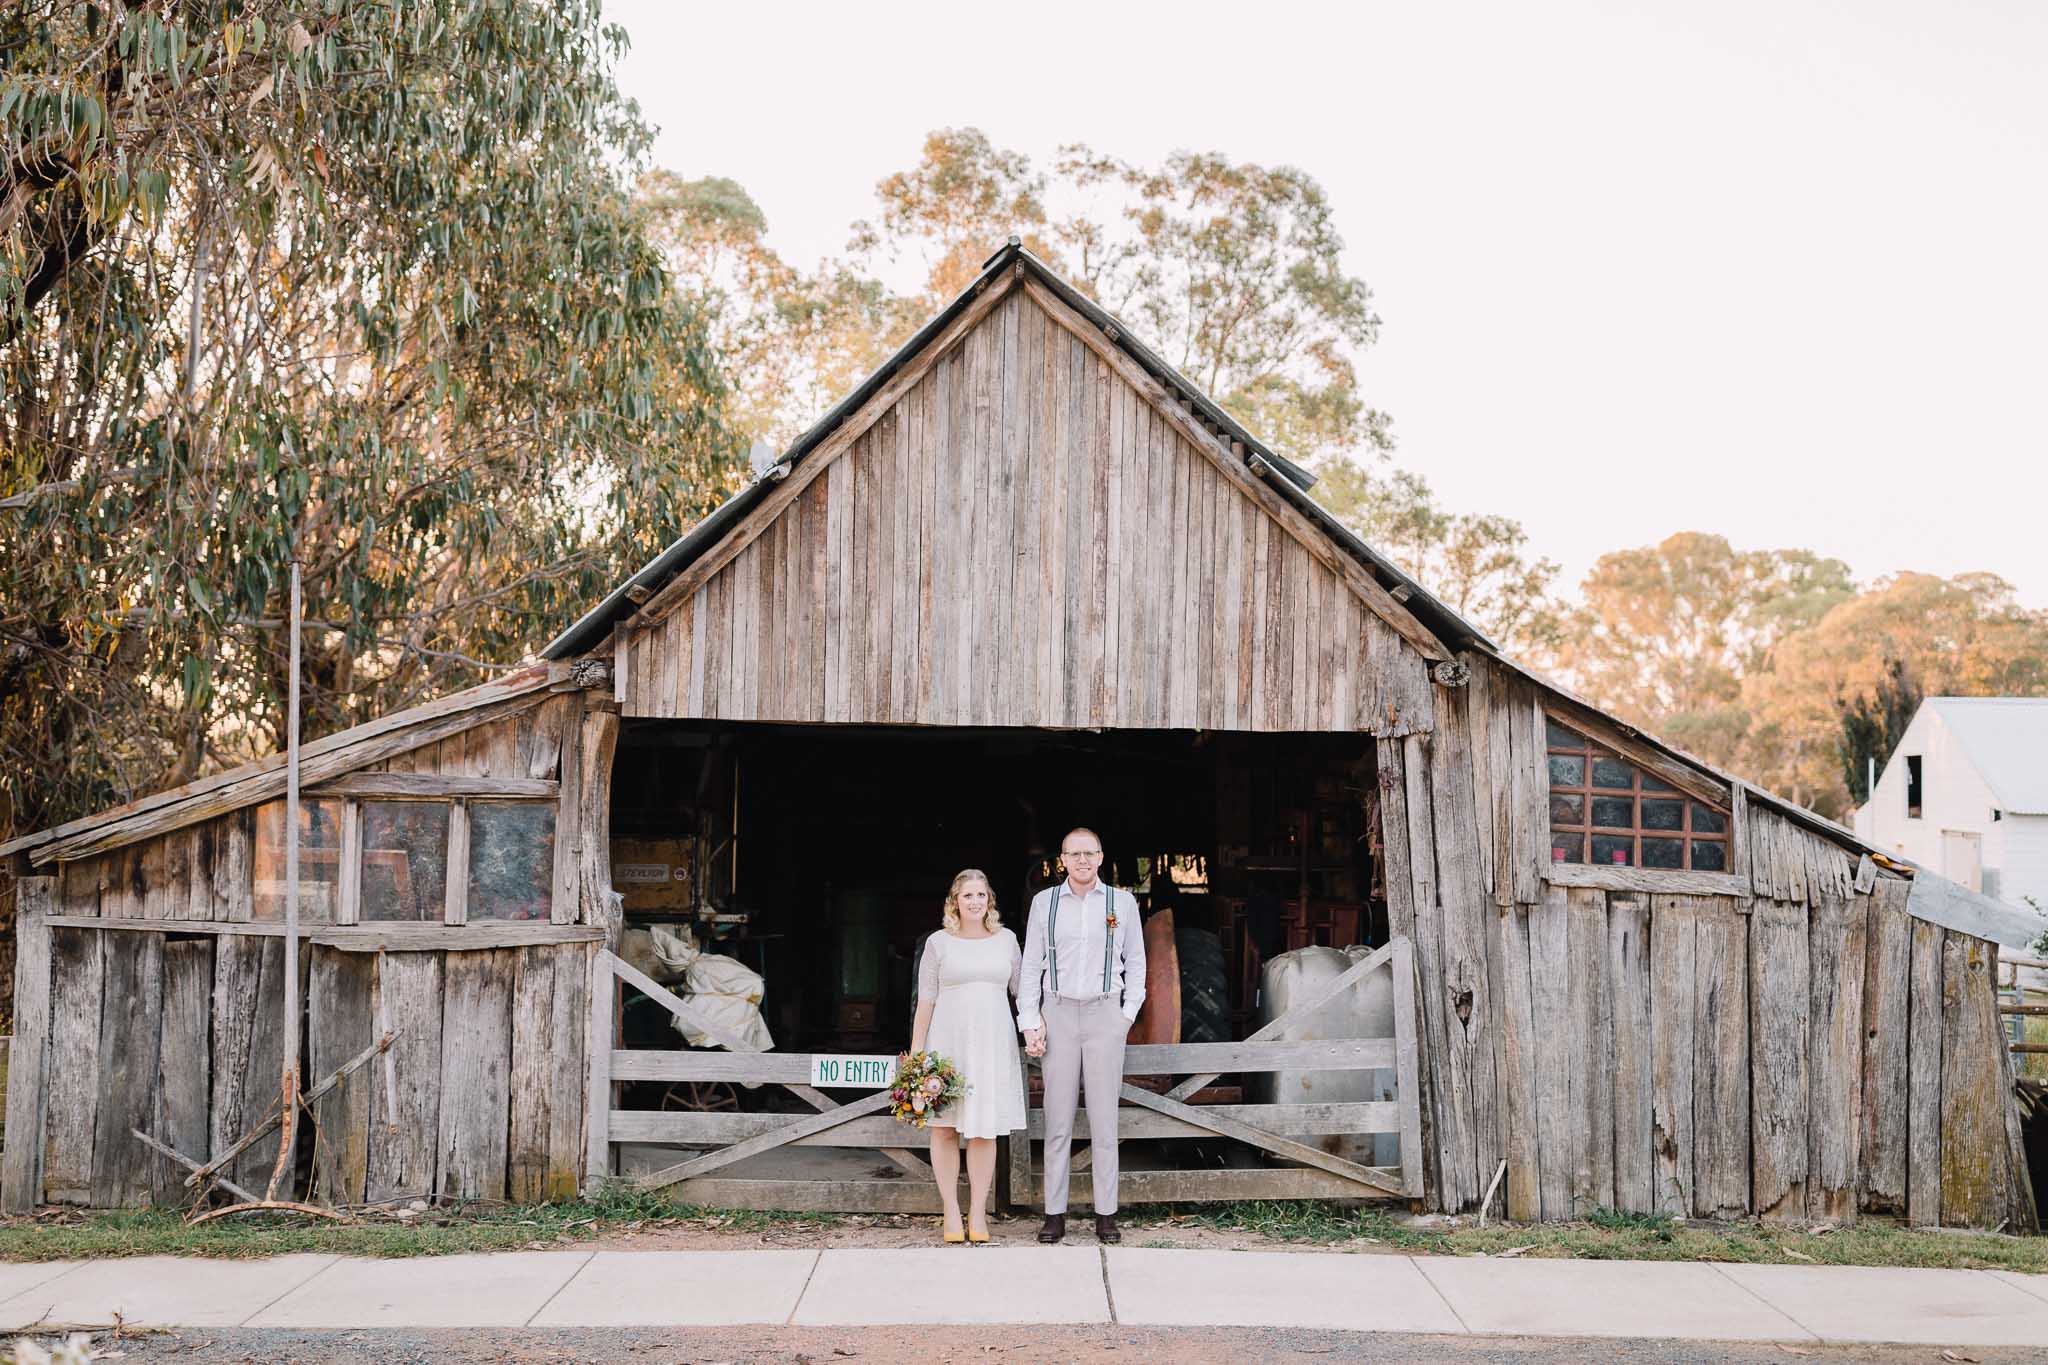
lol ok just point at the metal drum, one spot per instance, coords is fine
(1364, 1011)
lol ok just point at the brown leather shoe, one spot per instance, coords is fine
(1105, 1228)
(1054, 1229)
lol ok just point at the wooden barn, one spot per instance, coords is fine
(1025, 577)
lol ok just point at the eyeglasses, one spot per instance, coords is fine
(1081, 853)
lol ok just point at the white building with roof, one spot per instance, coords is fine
(1965, 794)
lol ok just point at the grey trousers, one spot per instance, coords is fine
(1084, 1042)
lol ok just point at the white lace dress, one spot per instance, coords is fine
(972, 980)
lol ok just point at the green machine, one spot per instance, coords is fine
(861, 947)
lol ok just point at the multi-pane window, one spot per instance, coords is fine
(1607, 812)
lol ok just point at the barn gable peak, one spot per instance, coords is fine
(1432, 628)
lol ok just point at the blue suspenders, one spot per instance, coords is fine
(1052, 949)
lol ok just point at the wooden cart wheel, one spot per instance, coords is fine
(700, 1097)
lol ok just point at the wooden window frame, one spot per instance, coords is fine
(455, 896)
(1633, 876)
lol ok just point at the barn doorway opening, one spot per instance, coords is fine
(818, 856)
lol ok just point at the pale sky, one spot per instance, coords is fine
(1774, 270)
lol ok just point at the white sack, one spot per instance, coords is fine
(723, 990)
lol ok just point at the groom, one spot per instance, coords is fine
(1082, 982)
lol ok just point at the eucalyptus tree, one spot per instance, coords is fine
(358, 283)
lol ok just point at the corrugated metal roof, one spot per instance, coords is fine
(2007, 739)
(595, 625)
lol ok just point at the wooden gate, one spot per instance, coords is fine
(905, 1185)
(1274, 1129)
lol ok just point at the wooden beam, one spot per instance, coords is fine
(1408, 1069)
(1350, 1118)
(493, 693)
(378, 937)
(1275, 505)
(455, 901)
(200, 1174)
(597, 903)
(1322, 1054)
(801, 475)
(431, 786)
(1649, 880)
(1273, 1029)
(598, 1043)
(189, 1164)
(348, 892)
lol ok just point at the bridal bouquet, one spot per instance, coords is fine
(925, 1084)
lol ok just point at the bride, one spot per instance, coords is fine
(964, 983)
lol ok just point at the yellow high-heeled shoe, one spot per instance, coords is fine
(974, 1236)
(952, 1236)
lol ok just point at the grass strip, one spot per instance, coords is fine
(1607, 1234)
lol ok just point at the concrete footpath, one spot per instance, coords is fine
(1030, 1284)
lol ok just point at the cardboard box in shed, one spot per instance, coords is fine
(654, 875)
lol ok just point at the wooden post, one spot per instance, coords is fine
(598, 903)
(597, 1050)
(1023, 1188)
(21, 1169)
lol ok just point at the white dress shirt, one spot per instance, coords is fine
(1081, 939)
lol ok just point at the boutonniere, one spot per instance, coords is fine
(1110, 919)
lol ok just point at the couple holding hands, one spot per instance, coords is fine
(1079, 980)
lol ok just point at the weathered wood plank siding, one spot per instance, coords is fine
(1023, 539)
(1754, 1057)
(178, 1034)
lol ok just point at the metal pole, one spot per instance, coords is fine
(291, 851)
(288, 1084)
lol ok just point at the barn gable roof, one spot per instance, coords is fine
(1289, 479)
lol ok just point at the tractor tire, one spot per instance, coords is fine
(1204, 990)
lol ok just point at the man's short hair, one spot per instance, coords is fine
(1079, 829)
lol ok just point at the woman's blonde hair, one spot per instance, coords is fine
(992, 920)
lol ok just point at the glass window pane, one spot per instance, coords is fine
(1651, 784)
(319, 860)
(1710, 855)
(1707, 820)
(1663, 853)
(1561, 738)
(511, 859)
(1663, 815)
(405, 860)
(1613, 849)
(1614, 812)
(1567, 772)
(1567, 848)
(1567, 810)
(1612, 772)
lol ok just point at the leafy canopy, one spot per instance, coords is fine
(358, 283)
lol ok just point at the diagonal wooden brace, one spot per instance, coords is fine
(754, 1146)
(682, 1010)
(1373, 1177)
(1351, 977)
